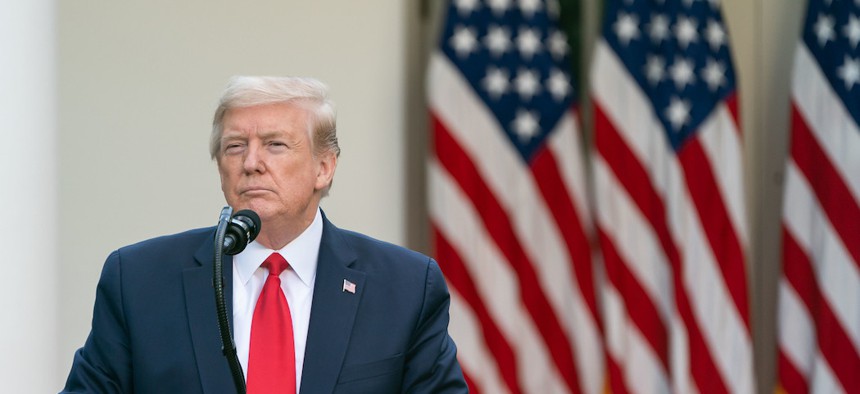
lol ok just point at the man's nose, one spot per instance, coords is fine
(253, 160)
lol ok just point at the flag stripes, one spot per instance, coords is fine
(638, 304)
(498, 289)
(510, 214)
(819, 321)
(723, 240)
(496, 221)
(515, 233)
(507, 206)
(545, 170)
(671, 224)
(462, 280)
(825, 181)
(626, 169)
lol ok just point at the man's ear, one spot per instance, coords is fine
(326, 164)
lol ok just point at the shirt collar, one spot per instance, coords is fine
(302, 254)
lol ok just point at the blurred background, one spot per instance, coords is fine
(107, 106)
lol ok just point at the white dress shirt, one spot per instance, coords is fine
(297, 282)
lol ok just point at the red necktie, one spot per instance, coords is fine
(271, 360)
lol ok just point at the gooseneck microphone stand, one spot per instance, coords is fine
(228, 347)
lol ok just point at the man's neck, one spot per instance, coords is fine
(277, 234)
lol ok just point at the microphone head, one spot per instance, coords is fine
(252, 220)
(241, 230)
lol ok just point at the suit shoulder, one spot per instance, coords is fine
(376, 256)
(366, 243)
(169, 243)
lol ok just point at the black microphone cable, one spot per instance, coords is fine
(231, 237)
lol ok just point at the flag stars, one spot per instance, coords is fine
(496, 82)
(824, 29)
(714, 74)
(497, 40)
(852, 30)
(682, 72)
(658, 28)
(463, 41)
(527, 84)
(849, 72)
(466, 7)
(499, 7)
(655, 69)
(558, 45)
(626, 27)
(529, 7)
(677, 52)
(715, 35)
(678, 113)
(526, 124)
(528, 42)
(558, 84)
(516, 59)
(685, 31)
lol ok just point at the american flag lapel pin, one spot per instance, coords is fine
(348, 287)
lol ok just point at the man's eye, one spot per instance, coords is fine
(233, 148)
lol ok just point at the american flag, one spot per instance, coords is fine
(507, 200)
(348, 287)
(669, 199)
(819, 294)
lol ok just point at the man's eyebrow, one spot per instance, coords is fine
(270, 133)
(232, 134)
(261, 134)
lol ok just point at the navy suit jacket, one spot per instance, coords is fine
(155, 328)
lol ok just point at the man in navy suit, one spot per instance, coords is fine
(366, 316)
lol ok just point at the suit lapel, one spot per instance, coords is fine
(332, 312)
(202, 317)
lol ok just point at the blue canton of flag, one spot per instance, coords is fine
(516, 61)
(832, 32)
(677, 51)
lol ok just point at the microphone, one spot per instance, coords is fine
(231, 237)
(241, 230)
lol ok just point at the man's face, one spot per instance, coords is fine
(267, 164)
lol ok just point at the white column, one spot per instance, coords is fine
(28, 197)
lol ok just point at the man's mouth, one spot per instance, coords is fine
(254, 190)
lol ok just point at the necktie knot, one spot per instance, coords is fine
(275, 263)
